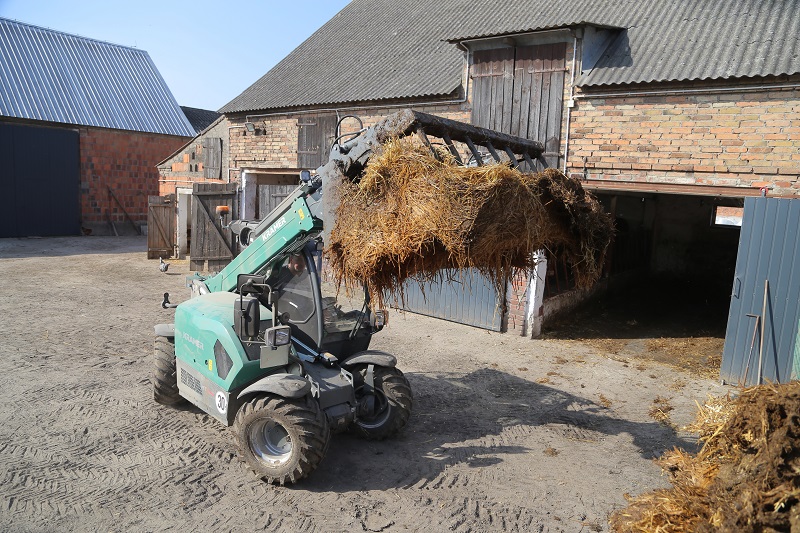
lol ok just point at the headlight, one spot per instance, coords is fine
(279, 336)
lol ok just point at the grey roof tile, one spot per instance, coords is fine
(390, 49)
(53, 76)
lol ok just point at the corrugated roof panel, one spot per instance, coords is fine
(387, 49)
(57, 77)
(684, 40)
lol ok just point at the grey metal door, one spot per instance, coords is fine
(40, 181)
(468, 298)
(767, 264)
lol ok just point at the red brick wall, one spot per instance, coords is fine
(275, 144)
(749, 139)
(126, 162)
(186, 166)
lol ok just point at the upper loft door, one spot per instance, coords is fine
(520, 90)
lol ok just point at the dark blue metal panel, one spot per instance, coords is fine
(768, 258)
(467, 298)
(40, 173)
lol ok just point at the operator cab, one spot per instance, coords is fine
(322, 318)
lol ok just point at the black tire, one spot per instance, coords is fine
(282, 440)
(165, 378)
(393, 404)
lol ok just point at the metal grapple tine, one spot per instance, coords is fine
(449, 142)
(474, 150)
(531, 165)
(492, 151)
(512, 157)
(424, 138)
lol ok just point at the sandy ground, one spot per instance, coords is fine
(507, 434)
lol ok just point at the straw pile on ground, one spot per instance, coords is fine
(745, 478)
(413, 216)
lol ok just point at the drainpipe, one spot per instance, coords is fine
(571, 102)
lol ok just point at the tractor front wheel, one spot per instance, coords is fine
(385, 409)
(282, 440)
(165, 381)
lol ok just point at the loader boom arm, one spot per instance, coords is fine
(299, 218)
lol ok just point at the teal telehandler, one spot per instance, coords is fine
(269, 346)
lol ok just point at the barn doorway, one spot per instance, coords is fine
(668, 282)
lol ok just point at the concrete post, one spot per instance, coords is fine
(535, 311)
(249, 195)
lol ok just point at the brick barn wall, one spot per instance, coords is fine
(186, 166)
(124, 161)
(749, 139)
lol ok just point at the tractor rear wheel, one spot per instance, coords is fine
(165, 380)
(282, 440)
(388, 410)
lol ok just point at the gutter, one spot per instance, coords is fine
(705, 90)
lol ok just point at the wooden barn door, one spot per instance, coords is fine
(212, 247)
(521, 91)
(160, 226)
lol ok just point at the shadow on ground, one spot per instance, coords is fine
(453, 411)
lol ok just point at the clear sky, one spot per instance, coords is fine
(207, 51)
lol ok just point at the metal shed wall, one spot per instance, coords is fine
(769, 250)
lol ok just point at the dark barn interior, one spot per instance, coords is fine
(668, 279)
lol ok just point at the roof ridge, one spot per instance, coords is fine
(73, 35)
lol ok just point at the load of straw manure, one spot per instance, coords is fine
(745, 478)
(413, 216)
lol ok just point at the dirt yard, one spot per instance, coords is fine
(507, 434)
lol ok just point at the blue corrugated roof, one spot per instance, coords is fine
(58, 77)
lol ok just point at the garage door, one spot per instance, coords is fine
(468, 298)
(39, 180)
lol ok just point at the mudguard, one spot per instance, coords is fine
(374, 357)
(285, 385)
(165, 330)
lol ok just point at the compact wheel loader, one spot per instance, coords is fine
(272, 348)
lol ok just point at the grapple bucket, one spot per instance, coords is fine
(480, 146)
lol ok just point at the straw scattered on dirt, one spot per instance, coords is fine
(413, 216)
(745, 478)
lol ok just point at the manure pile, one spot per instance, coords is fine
(412, 217)
(745, 478)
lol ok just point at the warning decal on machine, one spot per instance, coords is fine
(191, 381)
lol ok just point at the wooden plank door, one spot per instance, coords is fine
(160, 226)
(520, 91)
(315, 134)
(212, 247)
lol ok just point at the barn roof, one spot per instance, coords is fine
(376, 50)
(58, 77)
(200, 119)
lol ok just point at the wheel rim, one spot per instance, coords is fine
(270, 442)
(382, 412)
